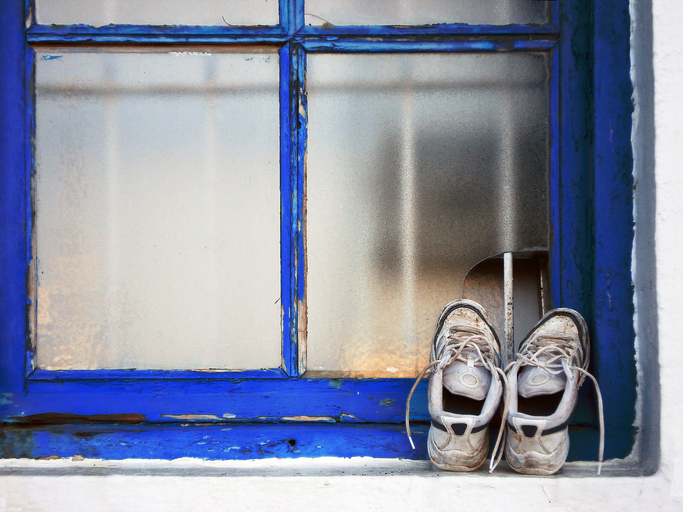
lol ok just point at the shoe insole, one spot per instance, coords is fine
(542, 405)
(459, 404)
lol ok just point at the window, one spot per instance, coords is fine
(341, 134)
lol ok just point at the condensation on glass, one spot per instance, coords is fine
(157, 210)
(426, 12)
(419, 166)
(159, 12)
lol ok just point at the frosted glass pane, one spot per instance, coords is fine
(419, 166)
(158, 12)
(426, 12)
(157, 210)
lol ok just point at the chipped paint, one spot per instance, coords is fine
(326, 419)
(243, 441)
(203, 54)
(193, 417)
(302, 336)
(349, 417)
(335, 383)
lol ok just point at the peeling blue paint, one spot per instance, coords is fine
(336, 383)
(246, 399)
(240, 442)
(243, 441)
(388, 44)
(288, 239)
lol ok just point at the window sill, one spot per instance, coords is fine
(302, 467)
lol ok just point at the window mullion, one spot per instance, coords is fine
(293, 148)
(302, 140)
(291, 15)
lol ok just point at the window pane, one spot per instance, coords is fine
(426, 12)
(419, 166)
(157, 210)
(158, 12)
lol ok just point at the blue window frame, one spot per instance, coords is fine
(164, 414)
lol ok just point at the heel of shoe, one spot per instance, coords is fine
(452, 454)
(531, 456)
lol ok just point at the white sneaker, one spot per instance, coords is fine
(544, 381)
(465, 387)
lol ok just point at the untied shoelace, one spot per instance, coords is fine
(459, 343)
(558, 351)
(554, 353)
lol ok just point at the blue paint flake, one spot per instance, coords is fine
(51, 57)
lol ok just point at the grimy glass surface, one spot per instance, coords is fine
(157, 12)
(419, 166)
(426, 12)
(157, 210)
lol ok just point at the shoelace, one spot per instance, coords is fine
(556, 354)
(553, 348)
(459, 340)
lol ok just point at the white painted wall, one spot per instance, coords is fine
(658, 276)
(668, 67)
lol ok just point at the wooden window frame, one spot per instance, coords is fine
(228, 415)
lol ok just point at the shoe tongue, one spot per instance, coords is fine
(535, 381)
(467, 380)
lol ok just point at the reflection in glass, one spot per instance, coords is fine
(426, 12)
(419, 166)
(157, 210)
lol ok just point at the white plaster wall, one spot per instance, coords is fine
(412, 486)
(668, 72)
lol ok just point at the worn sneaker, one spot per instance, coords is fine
(544, 381)
(464, 389)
